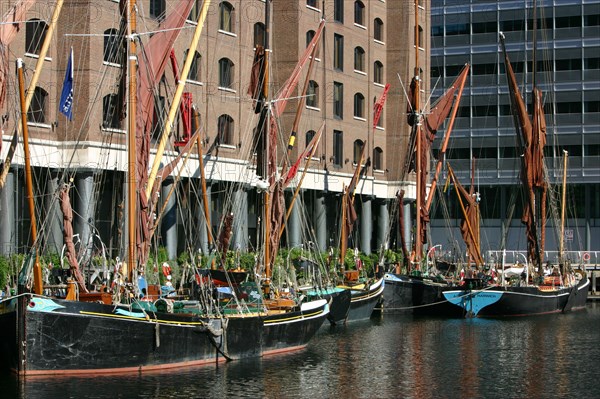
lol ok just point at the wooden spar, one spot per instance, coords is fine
(562, 210)
(203, 184)
(301, 102)
(177, 98)
(343, 233)
(438, 166)
(38, 284)
(32, 84)
(419, 147)
(299, 186)
(475, 239)
(131, 141)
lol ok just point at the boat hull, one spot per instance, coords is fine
(364, 301)
(289, 331)
(417, 295)
(90, 338)
(339, 302)
(519, 301)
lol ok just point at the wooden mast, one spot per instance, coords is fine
(267, 177)
(37, 269)
(203, 185)
(418, 247)
(131, 150)
(562, 210)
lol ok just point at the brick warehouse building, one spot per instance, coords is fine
(365, 45)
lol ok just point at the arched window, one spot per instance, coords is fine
(378, 72)
(157, 9)
(380, 120)
(38, 107)
(226, 17)
(378, 29)
(195, 11)
(225, 73)
(359, 105)
(110, 112)
(359, 59)
(358, 145)
(378, 158)
(359, 13)
(312, 94)
(225, 130)
(111, 46)
(309, 36)
(195, 68)
(35, 32)
(259, 34)
(309, 136)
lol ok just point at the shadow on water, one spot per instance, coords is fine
(389, 357)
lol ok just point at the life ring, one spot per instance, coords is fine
(585, 257)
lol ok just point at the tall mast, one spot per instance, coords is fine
(418, 164)
(37, 270)
(131, 154)
(267, 177)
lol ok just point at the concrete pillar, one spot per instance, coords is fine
(383, 225)
(407, 226)
(7, 216)
(240, 220)
(366, 226)
(294, 229)
(321, 220)
(202, 222)
(169, 220)
(84, 206)
(54, 215)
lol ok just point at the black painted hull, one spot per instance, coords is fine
(288, 331)
(519, 301)
(416, 295)
(90, 338)
(339, 303)
(364, 301)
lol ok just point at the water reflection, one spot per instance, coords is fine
(397, 356)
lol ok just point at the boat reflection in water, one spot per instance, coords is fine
(395, 356)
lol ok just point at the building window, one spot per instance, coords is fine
(338, 148)
(338, 11)
(194, 73)
(338, 52)
(380, 120)
(378, 159)
(226, 17)
(225, 73)
(111, 46)
(110, 112)
(159, 117)
(359, 105)
(359, 13)
(359, 59)
(225, 130)
(259, 34)
(378, 72)
(309, 136)
(309, 36)
(195, 11)
(312, 94)
(38, 107)
(311, 3)
(35, 32)
(420, 38)
(338, 100)
(157, 9)
(358, 145)
(378, 29)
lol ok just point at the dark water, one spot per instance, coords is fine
(554, 356)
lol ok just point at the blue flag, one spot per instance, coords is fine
(66, 97)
